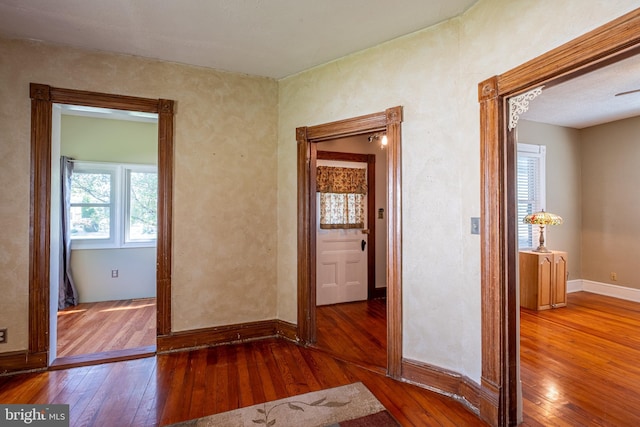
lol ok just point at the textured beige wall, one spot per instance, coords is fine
(228, 161)
(611, 231)
(224, 217)
(434, 74)
(563, 186)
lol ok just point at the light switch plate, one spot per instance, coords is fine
(475, 225)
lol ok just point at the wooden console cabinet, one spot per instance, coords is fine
(543, 279)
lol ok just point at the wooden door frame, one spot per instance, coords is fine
(607, 44)
(370, 160)
(388, 121)
(42, 99)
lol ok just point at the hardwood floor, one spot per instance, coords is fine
(99, 327)
(178, 386)
(356, 332)
(579, 364)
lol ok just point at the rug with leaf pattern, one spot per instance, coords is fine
(351, 405)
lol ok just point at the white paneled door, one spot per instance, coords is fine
(341, 263)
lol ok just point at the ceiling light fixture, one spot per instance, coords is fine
(382, 137)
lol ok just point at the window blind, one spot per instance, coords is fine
(530, 190)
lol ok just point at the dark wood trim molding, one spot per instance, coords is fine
(492, 254)
(371, 218)
(227, 334)
(103, 357)
(443, 381)
(379, 293)
(340, 129)
(19, 361)
(103, 100)
(612, 42)
(394, 241)
(165, 219)
(390, 122)
(306, 299)
(286, 330)
(42, 99)
(39, 226)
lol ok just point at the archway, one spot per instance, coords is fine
(612, 42)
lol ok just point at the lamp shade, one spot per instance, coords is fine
(542, 218)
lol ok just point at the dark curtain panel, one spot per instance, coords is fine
(67, 292)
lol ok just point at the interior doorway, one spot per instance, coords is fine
(104, 210)
(351, 249)
(389, 123)
(40, 296)
(610, 43)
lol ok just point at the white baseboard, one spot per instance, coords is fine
(621, 292)
(574, 286)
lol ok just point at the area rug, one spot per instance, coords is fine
(351, 405)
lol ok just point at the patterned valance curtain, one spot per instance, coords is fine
(331, 179)
(342, 195)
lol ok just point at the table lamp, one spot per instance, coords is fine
(541, 219)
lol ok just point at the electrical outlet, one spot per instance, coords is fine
(614, 276)
(3, 335)
(114, 274)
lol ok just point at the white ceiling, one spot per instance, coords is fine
(272, 38)
(590, 99)
(278, 38)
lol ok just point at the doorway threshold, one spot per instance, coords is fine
(102, 357)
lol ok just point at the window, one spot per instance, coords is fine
(530, 177)
(342, 196)
(92, 203)
(341, 210)
(113, 205)
(142, 200)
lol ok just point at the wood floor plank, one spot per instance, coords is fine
(99, 327)
(174, 409)
(578, 363)
(144, 414)
(198, 368)
(355, 331)
(155, 390)
(578, 367)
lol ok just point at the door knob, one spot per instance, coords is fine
(363, 244)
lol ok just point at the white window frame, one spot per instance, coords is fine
(126, 182)
(539, 152)
(119, 208)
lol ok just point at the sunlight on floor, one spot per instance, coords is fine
(126, 308)
(65, 312)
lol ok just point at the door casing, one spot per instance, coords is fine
(602, 46)
(388, 121)
(42, 99)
